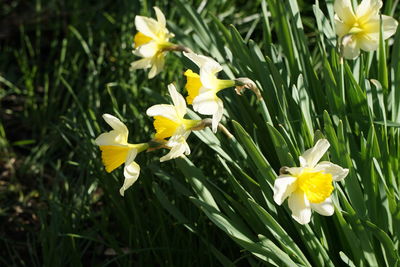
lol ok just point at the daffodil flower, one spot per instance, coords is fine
(115, 150)
(150, 43)
(359, 28)
(203, 88)
(169, 122)
(309, 187)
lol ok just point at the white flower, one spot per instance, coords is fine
(115, 150)
(150, 41)
(203, 88)
(169, 122)
(360, 29)
(309, 186)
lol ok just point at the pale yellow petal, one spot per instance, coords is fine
(160, 17)
(368, 9)
(148, 26)
(143, 63)
(351, 49)
(178, 100)
(157, 65)
(368, 42)
(344, 11)
(208, 74)
(341, 28)
(389, 26)
(164, 110)
(200, 60)
(111, 138)
(116, 124)
(147, 50)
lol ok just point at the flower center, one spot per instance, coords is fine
(316, 185)
(164, 127)
(113, 156)
(193, 85)
(141, 39)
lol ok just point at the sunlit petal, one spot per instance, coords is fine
(311, 156)
(284, 186)
(300, 207)
(325, 208)
(338, 173)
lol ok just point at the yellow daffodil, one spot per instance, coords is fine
(115, 150)
(169, 122)
(309, 187)
(203, 88)
(150, 43)
(359, 28)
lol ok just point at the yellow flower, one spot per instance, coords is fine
(115, 150)
(150, 41)
(169, 122)
(360, 29)
(309, 187)
(203, 88)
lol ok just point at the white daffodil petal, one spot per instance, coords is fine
(351, 49)
(217, 116)
(300, 207)
(338, 173)
(372, 26)
(178, 144)
(160, 17)
(111, 138)
(369, 42)
(314, 154)
(143, 63)
(148, 26)
(208, 76)
(176, 151)
(115, 123)
(344, 10)
(284, 185)
(389, 26)
(187, 149)
(368, 9)
(341, 28)
(178, 100)
(147, 50)
(200, 60)
(164, 110)
(178, 137)
(206, 103)
(325, 208)
(158, 65)
(131, 171)
(120, 133)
